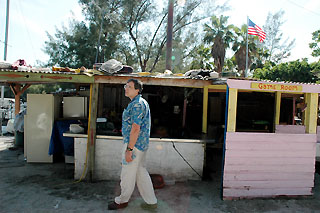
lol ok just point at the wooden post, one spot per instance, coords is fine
(184, 115)
(307, 109)
(205, 109)
(232, 110)
(17, 91)
(293, 110)
(100, 101)
(91, 142)
(277, 108)
(312, 113)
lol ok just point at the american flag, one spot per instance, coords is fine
(254, 29)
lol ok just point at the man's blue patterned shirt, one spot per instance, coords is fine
(138, 112)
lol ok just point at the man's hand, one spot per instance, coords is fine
(128, 156)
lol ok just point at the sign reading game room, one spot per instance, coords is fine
(277, 87)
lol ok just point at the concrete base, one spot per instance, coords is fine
(161, 159)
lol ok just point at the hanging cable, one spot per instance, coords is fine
(292, 2)
(25, 25)
(185, 160)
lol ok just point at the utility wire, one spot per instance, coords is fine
(4, 43)
(185, 160)
(25, 24)
(292, 2)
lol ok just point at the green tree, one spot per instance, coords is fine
(315, 44)
(276, 47)
(70, 48)
(150, 39)
(77, 44)
(259, 58)
(133, 32)
(296, 71)
(315, 69)
(201, 58)
(220, 35)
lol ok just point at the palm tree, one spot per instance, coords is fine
(239, 47)
(221, 35)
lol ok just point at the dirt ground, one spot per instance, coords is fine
(26, 187)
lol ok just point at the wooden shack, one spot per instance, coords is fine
(268, 157)
(275, 163)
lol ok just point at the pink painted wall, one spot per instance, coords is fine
(294, 129)
(318, 134)
(268, 164)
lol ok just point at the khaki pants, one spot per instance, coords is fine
(132, 173)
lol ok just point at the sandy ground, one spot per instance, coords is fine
(50, 188)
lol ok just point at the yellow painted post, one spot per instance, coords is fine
(312, 113)
(205, 109)
(277, 107)
(307, 109)
(232, 110)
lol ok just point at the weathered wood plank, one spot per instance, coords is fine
(177, 82)
(94, 90)
(270, 168)
(311, 127)
(268, 184)
(277, 105)
(269, 161)
(258, 164)
(269, 146)
(242, 193)
(318, 134)
(30, 77)
(290, 129)
(232, 110)
(273, 154)
(262, 175)
(270, 137)
(205, 110)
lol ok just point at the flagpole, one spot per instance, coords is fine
(246, 71)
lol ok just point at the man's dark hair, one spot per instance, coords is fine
(137, 84)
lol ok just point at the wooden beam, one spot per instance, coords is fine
(17, 91)
(205, 109)
(277, 106)
(32, 77)
(12, 89)
(232, 110)
(100, 102)
(25, 87)
(218, 87)
(184, 115)
(306, 111)
(293, 110)
(91, 142)
(176, 82)
(312, 113)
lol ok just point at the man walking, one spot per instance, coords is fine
(136, 123)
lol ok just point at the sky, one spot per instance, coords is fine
(29, 20)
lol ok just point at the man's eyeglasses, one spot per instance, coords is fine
(127, 86)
